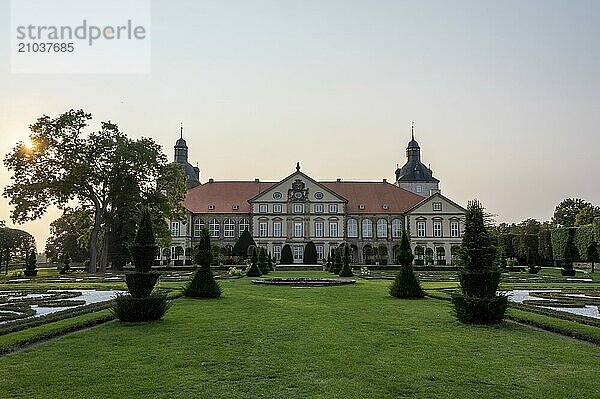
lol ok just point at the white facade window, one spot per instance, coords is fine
(298, 229)
(333, 208)
(263, 208)
(298, 253)
(214, 228)
(244, 225)
(419, 188)
(320, 251)
(333, 229)
(454, 231)
(421, 229)
(382, 228)
(352, 228)
(229, 228)
(277, 252)
(263, 229)
(437, 228)
(396, 228)
(276, 229)
(198, 226)
(298, 208)
(318, 208)
(175, 228)
(276, 208)
(318, 229)
(437, 206)
(367, 228)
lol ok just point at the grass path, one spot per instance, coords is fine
(282, 342)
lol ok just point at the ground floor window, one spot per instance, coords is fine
(277, 252)
(298, 253)
(320, 251)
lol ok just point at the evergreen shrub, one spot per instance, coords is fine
(286, 255)
(406, 284)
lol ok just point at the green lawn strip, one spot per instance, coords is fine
(16, 340)
(564, 323)
(350, 341)
(554, 324)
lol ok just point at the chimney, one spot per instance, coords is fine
(211, 180)
(339, 180)
(385, 180)
(256, 180)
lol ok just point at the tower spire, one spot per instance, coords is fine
(297, 166)
(412, 129)
(180, 130)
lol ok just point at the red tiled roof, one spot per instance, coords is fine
(223, 195)
(373, 195)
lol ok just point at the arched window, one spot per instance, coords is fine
(229, 228)
(382, 228)
(198, 226)
(367, 228)
(215, 228)
(396, 228)
(244, 224)
(352, 228)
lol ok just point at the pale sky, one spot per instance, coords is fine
(505, 95)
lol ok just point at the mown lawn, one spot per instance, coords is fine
(281, 342)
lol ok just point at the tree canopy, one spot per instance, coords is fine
(69, 236)
(14, 244)
(566, 212)
(105, 172)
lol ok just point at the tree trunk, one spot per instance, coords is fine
(94, 240)
(104, 254)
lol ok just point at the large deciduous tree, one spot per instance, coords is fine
(566, 212)
(14, 244)
(106, 172)
(69, 236)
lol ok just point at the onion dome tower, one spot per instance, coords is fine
(414, 175)
(192, 173)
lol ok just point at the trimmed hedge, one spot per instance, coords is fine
(47, 330)
(568, 328)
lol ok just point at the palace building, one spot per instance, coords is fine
(370, 216)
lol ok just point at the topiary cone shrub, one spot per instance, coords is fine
(254, 270)
(262, 260)
(144, 250)
(337, 261)
(310, 254)
(30, 264)
(140, 304)
(346, 258)
(203, 284)
(406, 284)
(479, 278)
(286, 255)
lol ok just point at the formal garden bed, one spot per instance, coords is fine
(304, 281)
(23, 304)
